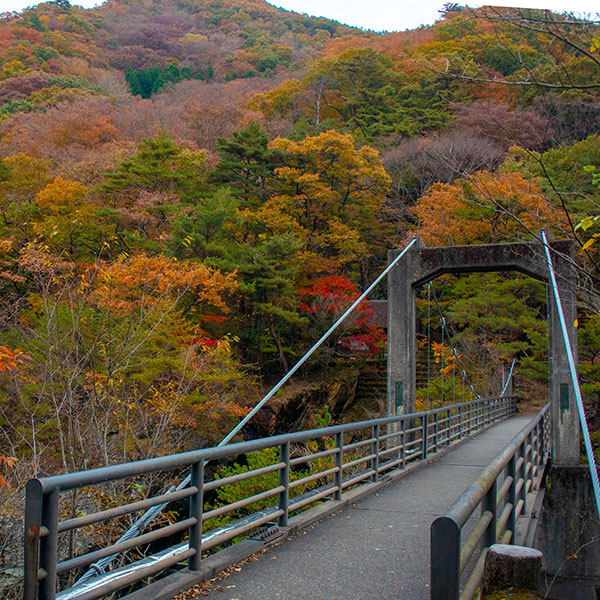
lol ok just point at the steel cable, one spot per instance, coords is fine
(101, 566)
(574, 378)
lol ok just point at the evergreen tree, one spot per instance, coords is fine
(159, 166)
(207, 232)
(246, 164)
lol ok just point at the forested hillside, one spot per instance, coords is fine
(192, 190)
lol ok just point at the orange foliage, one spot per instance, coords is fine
(441, 222)
(142, 279)
(336, 47)
(8, 462)
(485, 208)
(89, 132)
(10, 359)
(495, 92)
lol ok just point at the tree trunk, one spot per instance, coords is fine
(277, 341)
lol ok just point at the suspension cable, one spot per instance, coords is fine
(454, 377)
(574, 377)
(428, 342)
(101, 566)
(443, 327)
(512, 366)
(454, 352)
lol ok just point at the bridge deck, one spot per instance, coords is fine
(379, 548)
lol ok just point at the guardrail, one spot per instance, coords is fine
(311, 465)
(501, 492)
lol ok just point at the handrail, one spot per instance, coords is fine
(348, 454)
(501, 492)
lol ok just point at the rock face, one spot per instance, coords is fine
(511, 567)
(296, 407)
(300, 409)
(352, 391)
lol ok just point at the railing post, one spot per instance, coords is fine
(512, 496)
(31, 536)
(489, 504)
(424, 435)
(403, 447)
(455, 420)
(459, 422)
(469, 419)
(375, 451)
(445, 559)
(543, 439)
(522, 474)
(49, 545)
(535, 451)
(338, 463)
(547, 436)
(436, 426)
(284, 480)
(540, 436)
(534, 460)
(530, 457)
(196, 508)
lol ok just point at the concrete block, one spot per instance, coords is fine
(509, 566)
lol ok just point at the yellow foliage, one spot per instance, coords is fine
(444, 353)
(28, 176)
(331, 191)
(13, 68)
(61, 197)
(192, 37)
(278, 101)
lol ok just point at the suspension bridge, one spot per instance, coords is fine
(405, 506)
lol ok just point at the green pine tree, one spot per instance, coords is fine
(246, 164)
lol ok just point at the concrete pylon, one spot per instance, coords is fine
(421, 264)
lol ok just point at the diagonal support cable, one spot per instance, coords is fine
(573, 369)
(510, 373)
(101, 566)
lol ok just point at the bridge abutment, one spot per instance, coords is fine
(568, 531)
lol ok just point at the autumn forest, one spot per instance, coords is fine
(191, 191)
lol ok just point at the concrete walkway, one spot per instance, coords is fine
(379, 548)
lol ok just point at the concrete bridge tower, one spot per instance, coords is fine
(421, 264)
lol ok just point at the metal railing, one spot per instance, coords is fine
(501, 492)
(310, 466)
